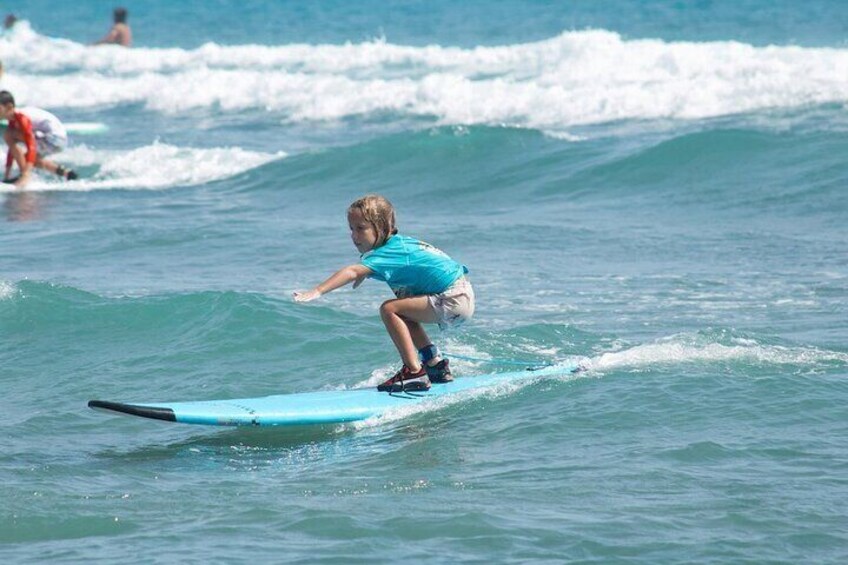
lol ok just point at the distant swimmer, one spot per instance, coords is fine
(120, 34)
(40, 131)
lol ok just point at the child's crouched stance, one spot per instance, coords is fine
(431, 288)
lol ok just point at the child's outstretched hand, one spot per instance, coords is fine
(306, 296)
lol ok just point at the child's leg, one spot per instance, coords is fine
(403, 318)
(419, 336)
(56, 168)
(422, 340)
(47, 165)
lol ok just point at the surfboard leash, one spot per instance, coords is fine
(528, 365)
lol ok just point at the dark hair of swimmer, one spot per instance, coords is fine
(120, 15)
(6, 98)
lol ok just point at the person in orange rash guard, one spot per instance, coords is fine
(41, 132)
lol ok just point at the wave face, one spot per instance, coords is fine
(653, 189)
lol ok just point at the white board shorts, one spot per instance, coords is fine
(49, 143)
(50, 134)
(455, 305)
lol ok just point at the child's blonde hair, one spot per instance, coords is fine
(378, 212)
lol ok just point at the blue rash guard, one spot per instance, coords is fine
(411, 267)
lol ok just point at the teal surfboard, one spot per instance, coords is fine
(86, 128)
(77, 128)
(321, 407)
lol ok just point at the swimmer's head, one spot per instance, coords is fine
(7, 104)
(120, 15)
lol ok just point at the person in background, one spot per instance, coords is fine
(40, 131)
(120, 34)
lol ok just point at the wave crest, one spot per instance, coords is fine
(573, 79)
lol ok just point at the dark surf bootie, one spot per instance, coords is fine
(67, 174)
(406, 381)
(440, 372)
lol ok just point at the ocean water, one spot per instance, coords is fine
(655, 188)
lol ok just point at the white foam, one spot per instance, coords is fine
(576, 78)
(674, 350)
(7, 290)
(680, 349)
(442, 402)
(154, 166)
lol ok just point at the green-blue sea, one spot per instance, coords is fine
(655, 188)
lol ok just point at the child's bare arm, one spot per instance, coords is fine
(355, 273)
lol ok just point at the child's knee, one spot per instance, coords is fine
(388, 307)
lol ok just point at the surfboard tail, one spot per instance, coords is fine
(153, 412)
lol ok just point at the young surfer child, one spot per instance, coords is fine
(41, 132)
(431, 288)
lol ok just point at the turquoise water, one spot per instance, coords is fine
(654, 188)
